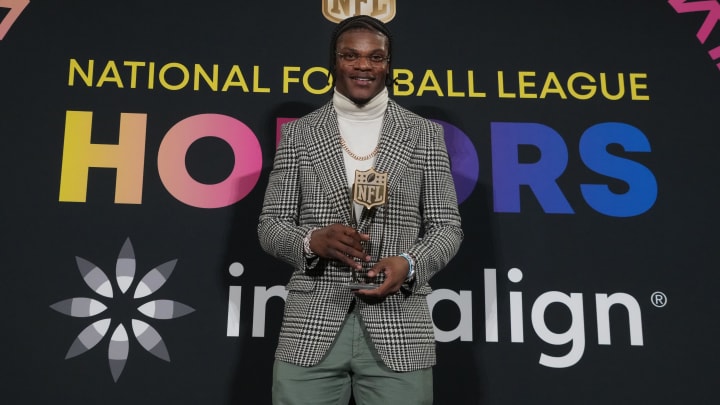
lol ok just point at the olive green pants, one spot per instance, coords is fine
(351, 367)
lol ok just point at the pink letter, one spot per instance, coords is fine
(713, 16)
(16, 8)
(177, 180)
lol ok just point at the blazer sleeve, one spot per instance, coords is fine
(279, 232)
(442, 232)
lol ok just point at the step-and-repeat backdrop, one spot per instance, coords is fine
(137, 137)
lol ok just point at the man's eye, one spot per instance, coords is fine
(350, 57)
(377, 58)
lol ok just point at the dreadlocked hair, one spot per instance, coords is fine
(364, 22)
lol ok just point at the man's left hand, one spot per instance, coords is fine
(396, 269)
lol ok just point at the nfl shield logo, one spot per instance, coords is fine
(370, 188)
(338, 10)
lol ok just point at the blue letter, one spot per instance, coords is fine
(509, 174)
(642, 186)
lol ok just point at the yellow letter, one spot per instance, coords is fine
(85, 76)
(183, 82)
(151, 75)
(635, 86)
(524, 84)
(590, 89)
(235, 72)
(552, 85)
(256, 82)
(133, 71)
(407, 82)
(79, 155)
(604, 90)
(286, 77)
(429, 77)
(306, 80)
(211, 82)
(106, 75)
(501, 87)
(471, 85)
(451, 92)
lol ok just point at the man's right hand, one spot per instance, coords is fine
(341, 243)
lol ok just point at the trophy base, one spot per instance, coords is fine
(362, 286)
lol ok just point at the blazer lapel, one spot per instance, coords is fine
(324, 148)
(397, 141)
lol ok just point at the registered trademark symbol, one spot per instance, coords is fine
(659, 299)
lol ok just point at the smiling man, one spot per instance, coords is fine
(361, 203)
(364, 64)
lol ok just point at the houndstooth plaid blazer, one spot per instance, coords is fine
(307, 188)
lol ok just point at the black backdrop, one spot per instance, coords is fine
(573, 200)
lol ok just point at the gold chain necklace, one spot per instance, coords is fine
(354, 156)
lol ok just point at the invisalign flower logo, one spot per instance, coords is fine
(99, 282)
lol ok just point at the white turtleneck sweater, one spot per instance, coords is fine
(360, 129)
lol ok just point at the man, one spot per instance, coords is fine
(339, 337)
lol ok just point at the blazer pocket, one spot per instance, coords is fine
(301, 282)
(424, 290)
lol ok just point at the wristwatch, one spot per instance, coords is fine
(411, 262)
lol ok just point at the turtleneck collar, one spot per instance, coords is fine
(373, 109)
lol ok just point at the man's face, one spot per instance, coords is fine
(361, 80)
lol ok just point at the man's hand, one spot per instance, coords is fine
(341, 243)
(396, 269)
